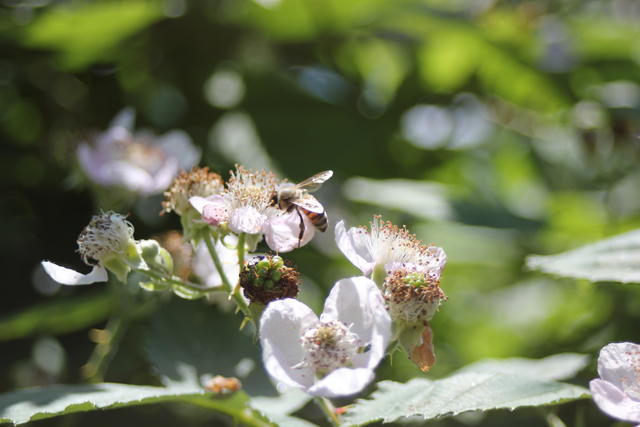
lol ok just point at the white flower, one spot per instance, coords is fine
(333, 355)
(138, 162)
(282, 230)
(386, 245)
(247, 206)
(105, 239)
(243, 204)
(617, 391)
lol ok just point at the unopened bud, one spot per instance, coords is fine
(269, 278)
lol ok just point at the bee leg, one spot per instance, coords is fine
(302, 227)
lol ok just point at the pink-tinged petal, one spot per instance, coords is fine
(355, 244)
(178, 145)
(281, 326)
(619, 364)
(213, 208)
(358, 302)
(66, 276)
(612, 401)
(342, 382)
(247, 220)
(283, 230)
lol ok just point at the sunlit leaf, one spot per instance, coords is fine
(616, 259)
(84, 32)
(58, 316)
(43, 402)
(189, 341)
(277, 408)
(491, 387)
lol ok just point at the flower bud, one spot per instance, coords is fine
(156, 256)
(268, 278)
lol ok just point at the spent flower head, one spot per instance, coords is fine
(617, 391)
(411, 296)
(198, 182)
(105, 243)
(335, 354)
(268, 278)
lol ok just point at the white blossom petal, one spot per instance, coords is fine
(342, 382)
(66, 276)
(358, 302)
(355, 244)
(247, 219)
(282, 230)
(612, 401)
(178, 145)
(281, 327)
(124, 119)
(619, 364)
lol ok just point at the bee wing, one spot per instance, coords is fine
(310, 203)
(314, 182)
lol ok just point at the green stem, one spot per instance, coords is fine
(240, 302)
(328, 409)
(103, 354)
(240, 249)
(174, 281)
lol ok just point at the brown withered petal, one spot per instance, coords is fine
(424, 355)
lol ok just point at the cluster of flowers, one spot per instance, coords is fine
(330, 355)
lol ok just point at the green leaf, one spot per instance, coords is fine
(275, 409)
(44, 402)
(83, 33)
(187, 293)
(58, 316)
(490, 387)
(556, 367)
(189, 341)
(614, 259)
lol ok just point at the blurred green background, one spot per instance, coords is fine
(494, 129)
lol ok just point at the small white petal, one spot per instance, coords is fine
(614, 402)
(199, 203)
(128, 175)
(355, 244)
(283, 230)
(247, 220)
(358, 302)
(342, 382)
(124, 119)
(178, 145)
(66, 276)
(618, 364)
(281, 327)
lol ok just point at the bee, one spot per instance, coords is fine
(289, 196)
